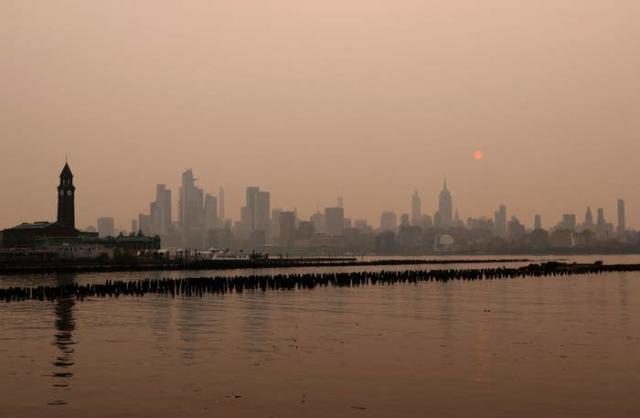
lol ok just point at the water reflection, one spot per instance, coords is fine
(190, 324)
(65, 325)
(159, 321)
(255, 322)
(446, 318)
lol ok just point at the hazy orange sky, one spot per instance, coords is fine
(314, 99)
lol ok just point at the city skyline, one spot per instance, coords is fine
(199, 227)
(161, 209)
(414, 215)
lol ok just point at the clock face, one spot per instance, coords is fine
(69, 192)
(61, 192)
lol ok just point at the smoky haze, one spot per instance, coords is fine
(309, 100)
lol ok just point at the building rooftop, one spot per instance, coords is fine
(34, 225)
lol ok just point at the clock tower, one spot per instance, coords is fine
(66, 195)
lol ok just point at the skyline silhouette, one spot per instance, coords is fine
(263, 228)
(427, 205)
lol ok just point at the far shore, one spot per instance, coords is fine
(234, 264)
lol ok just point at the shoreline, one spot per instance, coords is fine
(34, 268)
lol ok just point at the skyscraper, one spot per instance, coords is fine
(287, 221)
(388, 221)
(249, 210)
(275, 223)
(416, 209)
(221, 205)
(334, 218)
(601, 223)
(537, 222)
(603, 228)
(210, 212)
(191, 211)
(569, 221)
(191, 202)
(515, 229)
(144, 224)
(263, 212)
(622, 217)
(319, 222)
(256, 212)
(160, 211)
(305, 230)
(500, 221)
(588, 218)
(445, 207)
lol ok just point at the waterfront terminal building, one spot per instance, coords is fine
(61, 240)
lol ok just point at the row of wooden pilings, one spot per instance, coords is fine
(200, 286)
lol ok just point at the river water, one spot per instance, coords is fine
(522, 347)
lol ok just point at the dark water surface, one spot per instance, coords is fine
(523, 347)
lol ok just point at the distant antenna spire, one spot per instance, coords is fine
(66, 159)
(445, 182)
